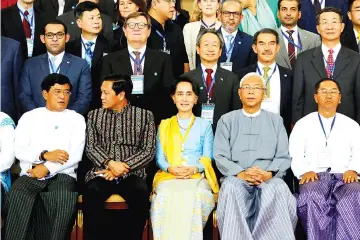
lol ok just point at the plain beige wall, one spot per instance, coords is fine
(187, 5)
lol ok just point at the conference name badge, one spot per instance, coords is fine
(138, 84)
(207, 111)
(30, 46)
(226, 65)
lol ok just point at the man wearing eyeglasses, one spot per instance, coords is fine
(237, 52)
(325, 150)
(49, 143)
(251, 151)
(56, 60)
(150, 70)
(330, 60)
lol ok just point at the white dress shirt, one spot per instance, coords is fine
(203, 68)
(225, 34)
(142, 52)
(7, 136)
(84, 42)
(294, 36)
(325, 51)
(41, 129)
(273, 103)
(308, 147)
(61, 7)
(58, 60)
(322, 3)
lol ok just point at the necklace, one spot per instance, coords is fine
(182, 127)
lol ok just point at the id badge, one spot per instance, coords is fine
(226, 65)
(166, 51)
(138, 84)
(207, 111)
(324, 158)
(30, 46)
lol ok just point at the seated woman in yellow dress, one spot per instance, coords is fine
(184, 186)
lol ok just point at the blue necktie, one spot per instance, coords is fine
(88, 52)
(229, 39)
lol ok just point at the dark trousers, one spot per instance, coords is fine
(135, 192)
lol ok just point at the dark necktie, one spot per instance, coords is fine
(317, 6)
(291, 48)
(330, 64)
(209, 81)
(137, 65)
(26, 26)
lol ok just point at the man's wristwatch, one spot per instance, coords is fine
(42, 155)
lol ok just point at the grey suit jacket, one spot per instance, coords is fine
(310, 68)
(69, 20)
(308, 40)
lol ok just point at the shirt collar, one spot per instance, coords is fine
(295, 29)
(30, 10)
(251, 115)
(204, 68)
(59, 57)
(85, 41)
(225, 33)
(261, 66)
(325, 49)
(141, 50)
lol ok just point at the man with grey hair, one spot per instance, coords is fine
(237, 53)
(218, 86)
(251, 151)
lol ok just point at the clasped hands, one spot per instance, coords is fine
(115, 169)
(349, 176)
(254, 176)
(182, 172)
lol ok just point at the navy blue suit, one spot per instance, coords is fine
(308, 16)
(242, 54)
(37, 68)
(11, 63)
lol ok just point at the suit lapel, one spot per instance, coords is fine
(341, 62)
(44, 64)
(55, 3)
(65, 63)
(283, 78)
(125, 63)
(318, 62)
(78, 48)
(303, 39)
(237, 44)
(219, 81)
(98, 52)
(282, 51)
(15, 14)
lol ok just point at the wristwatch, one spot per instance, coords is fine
(42, 155)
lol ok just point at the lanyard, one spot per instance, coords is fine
(211, 85)
(331, 69)
(228, 52)
(206, 26)
(52, 67)
(87, 48)
(322, 126)
(137, 64)
(268, 80)
(163, 38)
(183, 138)
(292, 42)
(31, 22)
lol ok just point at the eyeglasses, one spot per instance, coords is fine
(66, 93)
(249, 88)
(333, 93)
(228, 14)
(58, 35)
(326, 24)
(139, 25)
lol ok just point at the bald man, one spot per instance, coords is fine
(251, 151)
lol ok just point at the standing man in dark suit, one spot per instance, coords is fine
(277, 79)
(218, 87)
(293, 39)
(310, 8)
(24, 24)
(150, 70)
(330, 60)
(237, 52)
(56, 60)
(11, 63)
(69, 20)
(54, 8)
(91, 46)
(350, 37)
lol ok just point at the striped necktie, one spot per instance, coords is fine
(291, 48)
(88, 52)
(266, 77)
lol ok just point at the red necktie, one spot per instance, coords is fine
(330, 64)
(26, 26)
(291, 48)
(209, 81)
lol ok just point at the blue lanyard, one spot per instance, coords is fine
(206, 26)
(87, 48)
(30, 22)
(211, 85)
(322, 126)
(268, 80)
(332, 69)
(292, 42)
(230, 50)
(137, 64)
(52, 67)
(163, 38)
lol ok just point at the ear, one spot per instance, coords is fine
(173, 98)
(45, 94)
(254, 48)
(42, 38)
(277, 14)
(277, 47)
(79, 23)
(198, 50)
(317, 28)
(349, 15)
(196, 99)
(67, 37)
(340, 98)
(342, 27)
(316, 98)
(299, 15)
(239, 93)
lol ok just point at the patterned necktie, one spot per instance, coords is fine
(229, 39)
(291, 48)
(209, 81)
(137, 65)
(26, 25)
(266, 77)
(330, 64)
(317, 6)
(88, 52)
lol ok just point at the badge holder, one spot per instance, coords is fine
(138, 84)
(207, 111)
(226, 65)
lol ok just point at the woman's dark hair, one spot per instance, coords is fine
(54, 78)
(194, 86)
(141, 5)
(121, 83)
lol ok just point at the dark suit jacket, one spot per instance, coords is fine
(37, 68)
(310, 68)
(50, 8)
(286, 82)
(182, 19)
(348, 39)
(242, 55)
(102, 47)
(158, 79)
(69, 20)
(11, 27)
(11, 64)
(225, 94)
(308, 16)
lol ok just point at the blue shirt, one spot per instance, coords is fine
(198, 143)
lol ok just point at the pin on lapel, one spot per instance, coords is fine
(239, 42)
(68, 62)
(72, 23)
(201, 88)
(155, 73)
(285, 75)
(221, 79)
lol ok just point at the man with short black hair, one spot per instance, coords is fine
(49, 143)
